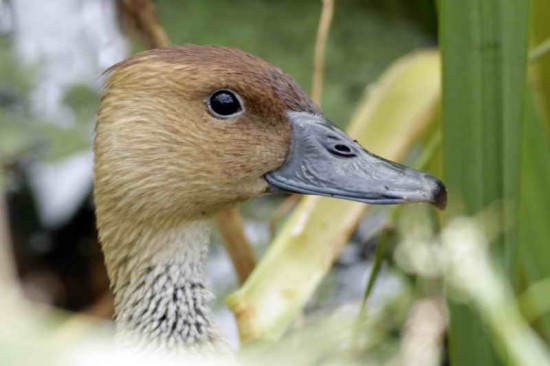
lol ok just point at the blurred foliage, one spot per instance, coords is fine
(362, 42)
(534, 231)
(423, 12)
(495, 152)
(539, 28)
(16, 81)
(22, 132)
(13, 88)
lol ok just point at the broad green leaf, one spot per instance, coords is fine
(534, 228)
(540, 34)
(484, 50)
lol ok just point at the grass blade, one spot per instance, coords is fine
(534, 230)
(540, 36)
(484, 50)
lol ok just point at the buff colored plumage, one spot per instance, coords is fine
(166, 161)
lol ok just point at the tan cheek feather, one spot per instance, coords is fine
(182, 167)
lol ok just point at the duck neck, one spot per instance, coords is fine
(159, 283)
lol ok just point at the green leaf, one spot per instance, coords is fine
(540, 36)
(484, 50)
(534, 229)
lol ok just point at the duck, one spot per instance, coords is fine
(186, 131)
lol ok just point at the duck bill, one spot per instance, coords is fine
(325, 161)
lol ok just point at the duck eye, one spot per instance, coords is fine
(224, 104)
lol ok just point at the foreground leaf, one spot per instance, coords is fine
(484, 51)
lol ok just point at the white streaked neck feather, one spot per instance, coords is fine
(159, 281)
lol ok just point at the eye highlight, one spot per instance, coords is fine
(224, 103)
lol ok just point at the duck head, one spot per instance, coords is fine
(188, 130)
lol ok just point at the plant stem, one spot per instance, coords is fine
(320, 47)
(143, 18)
(231, 227)
(379, 257)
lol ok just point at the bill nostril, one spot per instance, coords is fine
(342, 150)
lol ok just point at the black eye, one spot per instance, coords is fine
(224, 104)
